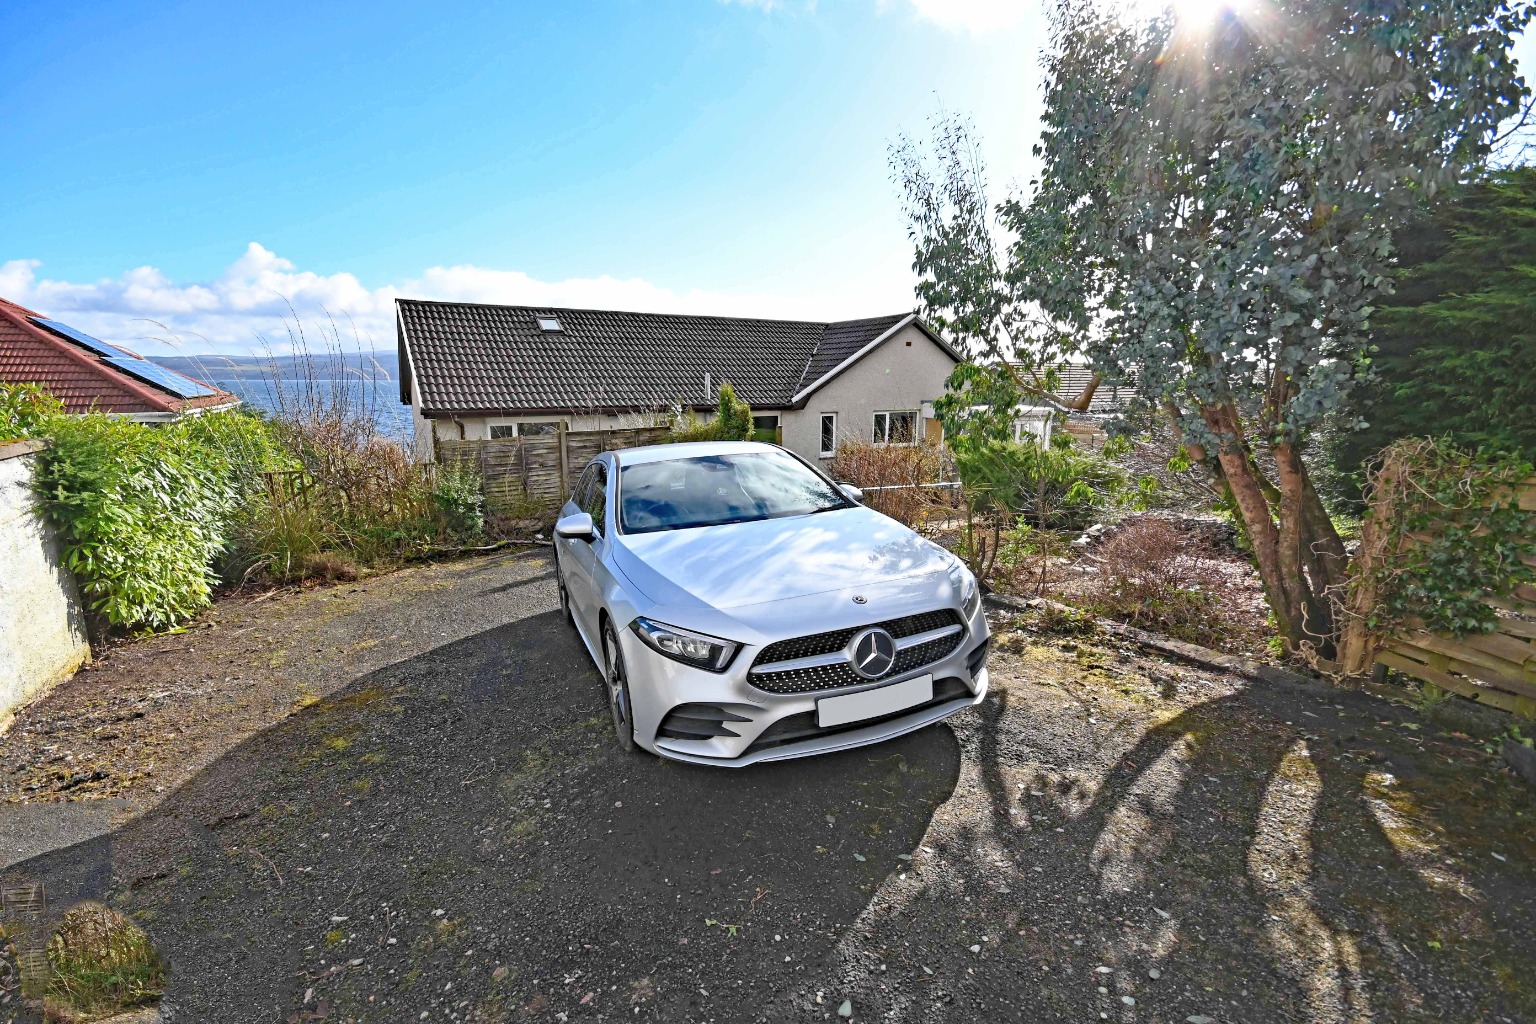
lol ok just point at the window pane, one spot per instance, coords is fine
(502, 430)
(579, 495)
(537, 429)
(765, 428)
(882, 422)
(903, 427)
(596, 501)
(828, 434)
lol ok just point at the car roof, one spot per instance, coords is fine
(688, 450)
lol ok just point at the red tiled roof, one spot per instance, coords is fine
(77, 377)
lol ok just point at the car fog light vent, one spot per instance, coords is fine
(977, 659)
(698, 722)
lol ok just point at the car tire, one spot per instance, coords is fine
(616, 686)
(565, 595)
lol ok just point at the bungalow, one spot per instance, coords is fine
(479, 372)
(88, 375)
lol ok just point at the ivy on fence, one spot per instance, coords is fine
(1449, 534)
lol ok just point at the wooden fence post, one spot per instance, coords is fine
(565, 469)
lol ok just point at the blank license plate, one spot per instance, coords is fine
(883, 700)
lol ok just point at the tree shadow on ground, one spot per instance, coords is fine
(458, 835)
(1263, 870)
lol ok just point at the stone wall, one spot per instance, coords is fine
(42, 628)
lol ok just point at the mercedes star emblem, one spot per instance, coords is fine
(860, 599)
(872, 653)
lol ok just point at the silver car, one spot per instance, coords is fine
(742, 607)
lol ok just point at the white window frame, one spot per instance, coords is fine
(821, 432)
(516, 426)
(1028, 418)
(888, 413)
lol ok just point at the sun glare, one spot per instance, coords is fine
(1190, 14)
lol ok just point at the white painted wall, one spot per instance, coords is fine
(42, 629)
(906, 372)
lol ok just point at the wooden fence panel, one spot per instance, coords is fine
(539, 470)
(1496, 668)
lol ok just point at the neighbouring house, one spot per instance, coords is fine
(89, 375)
(1080, 404)
(482, 372)
(1074, 381)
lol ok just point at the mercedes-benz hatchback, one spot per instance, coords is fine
(742, 607)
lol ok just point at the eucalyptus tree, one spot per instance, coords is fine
(966, 284)
(1214, 216)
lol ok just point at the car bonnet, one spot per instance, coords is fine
(743, 564)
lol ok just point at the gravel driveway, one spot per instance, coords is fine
(454, 836)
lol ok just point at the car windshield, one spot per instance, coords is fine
(710, 490)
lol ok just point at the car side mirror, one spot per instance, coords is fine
(576, 526)
(851, 492)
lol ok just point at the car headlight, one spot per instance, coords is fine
(970, 596)
(686, 646)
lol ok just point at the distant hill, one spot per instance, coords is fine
(383, 365)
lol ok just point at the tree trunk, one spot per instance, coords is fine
(1303, 555)
(1297, 552)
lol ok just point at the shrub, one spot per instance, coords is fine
(101, 963)
(733, 417)
(1028, 560)
(1150, 574)
(24, 408)
(903, 467)
(732, 422)
(143, 514)
(460, 499)
(1050, 487)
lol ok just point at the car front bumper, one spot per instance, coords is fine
(777, 727)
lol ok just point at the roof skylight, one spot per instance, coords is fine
(549, 323)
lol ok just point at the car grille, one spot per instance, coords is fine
(839, 674)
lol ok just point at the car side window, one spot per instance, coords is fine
(596, 498)
(583, 485)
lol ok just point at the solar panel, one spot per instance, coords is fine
(170, 380)
(68, 333)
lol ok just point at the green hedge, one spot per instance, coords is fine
(144, 513)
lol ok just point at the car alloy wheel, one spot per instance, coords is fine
(617, 682)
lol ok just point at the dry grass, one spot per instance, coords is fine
(358, 497)
(1152, 574)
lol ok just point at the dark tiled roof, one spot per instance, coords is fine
(76, 376)
(842, 340)
(477, 358)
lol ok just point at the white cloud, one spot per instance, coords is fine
(248, 307)
(974, 15)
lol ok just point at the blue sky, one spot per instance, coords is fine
(182, 159)
(204, 164)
